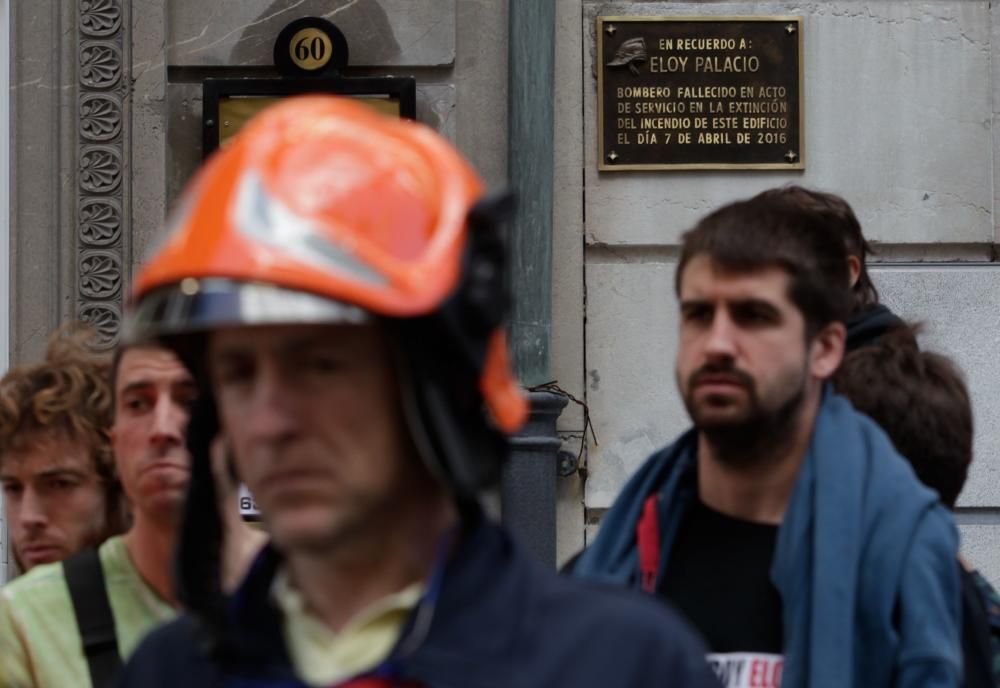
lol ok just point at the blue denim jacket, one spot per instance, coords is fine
(866, 558)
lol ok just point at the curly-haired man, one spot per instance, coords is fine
(57, 466)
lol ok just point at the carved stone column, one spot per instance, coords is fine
(103, 147)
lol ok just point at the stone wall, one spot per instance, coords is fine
(456, 51)
(106, 123)
(900, 110)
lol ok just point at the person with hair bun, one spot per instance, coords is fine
(921, 401)
(869, 320)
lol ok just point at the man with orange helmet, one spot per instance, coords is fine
(336, 280)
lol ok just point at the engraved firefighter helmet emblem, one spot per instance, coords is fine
(629, 54)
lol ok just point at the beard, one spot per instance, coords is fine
(748, 432)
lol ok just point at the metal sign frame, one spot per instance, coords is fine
(401, 88)
(602, 163)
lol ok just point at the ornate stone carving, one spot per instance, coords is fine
(102, 155)
(100, 221)
(99, 274)
(100, 169)
(100, 18)
(105, 318)
(100, 64)
(100, 117)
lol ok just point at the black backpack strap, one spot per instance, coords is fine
(85, 578)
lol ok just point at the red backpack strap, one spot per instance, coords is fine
(648, 535)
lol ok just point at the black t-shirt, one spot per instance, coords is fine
(719, 576)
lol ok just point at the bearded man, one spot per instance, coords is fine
(783, 525)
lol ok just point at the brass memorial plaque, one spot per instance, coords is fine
(685, 93)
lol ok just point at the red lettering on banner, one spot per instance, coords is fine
(764, 674)
(747, 669)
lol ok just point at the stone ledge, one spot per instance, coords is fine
(242, 32)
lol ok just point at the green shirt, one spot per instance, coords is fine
(40, 642)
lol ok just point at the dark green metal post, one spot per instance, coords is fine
(529, 480)
(530, 169)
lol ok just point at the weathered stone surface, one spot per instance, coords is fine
(436, 107)
(995, 63)
(480, 76)
(960, 309)
(979, 547)
(379, 32)
(183, 137)
(569, 517)
(631, 346)
(567, 215)
(567, 346)
(897, 119)
(149, 129)
(43, 117)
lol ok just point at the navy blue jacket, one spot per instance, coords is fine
(501, 620)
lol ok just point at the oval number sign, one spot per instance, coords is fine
(310, 46)
(310, 49)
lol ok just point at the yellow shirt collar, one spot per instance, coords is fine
(321, 656)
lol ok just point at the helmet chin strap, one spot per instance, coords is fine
(445, 416)
(199, 551)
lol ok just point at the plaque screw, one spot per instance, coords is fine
(209, 122)
(611, 29)
(790, 28)
(791, 156)
(612, 156)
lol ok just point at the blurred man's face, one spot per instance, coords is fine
(153, 397)
(312, 415)
(54, 501)
(743, 363)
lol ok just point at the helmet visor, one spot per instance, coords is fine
(199, 305)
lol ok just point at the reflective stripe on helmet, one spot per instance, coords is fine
(264, 219)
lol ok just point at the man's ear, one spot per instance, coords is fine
(853, 270)
(826, 350)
